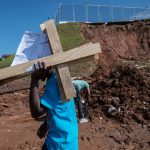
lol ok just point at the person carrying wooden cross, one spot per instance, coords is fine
(82, 91)
(61, 116)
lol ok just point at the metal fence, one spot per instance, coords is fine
(100, 13)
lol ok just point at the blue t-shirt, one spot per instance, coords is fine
(80, 84)
(61, 118)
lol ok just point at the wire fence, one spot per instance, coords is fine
(100, 13)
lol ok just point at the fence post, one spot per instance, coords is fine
(122, 13)
(86, 12)
(98, 13)
(73, 12)
(60, 12)
(56, 18)
(111, 13)
(134, 13)
(145, 13)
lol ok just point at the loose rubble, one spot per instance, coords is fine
(123, 95)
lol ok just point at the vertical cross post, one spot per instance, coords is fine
(66, 87)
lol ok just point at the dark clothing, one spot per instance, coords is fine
(44, 147)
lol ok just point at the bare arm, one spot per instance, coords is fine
(88, 94)
(88, 90)
(34, 100)
(36, 108)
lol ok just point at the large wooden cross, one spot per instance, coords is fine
(59, 59)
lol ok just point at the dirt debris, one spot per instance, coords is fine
(123, 95)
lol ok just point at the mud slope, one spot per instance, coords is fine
(124, 40)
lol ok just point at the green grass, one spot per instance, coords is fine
(69, 35)
(6, 62)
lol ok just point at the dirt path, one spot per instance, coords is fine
(19, 133)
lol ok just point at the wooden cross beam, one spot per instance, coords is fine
(59, 59)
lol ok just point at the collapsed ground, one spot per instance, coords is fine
(119, 110)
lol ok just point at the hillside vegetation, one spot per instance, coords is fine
(6, 62)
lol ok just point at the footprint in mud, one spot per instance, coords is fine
(85, 138)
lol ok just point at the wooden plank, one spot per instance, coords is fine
(66, 87)
(14, 72)
(82, 60)
(64, 81)
(53, 36)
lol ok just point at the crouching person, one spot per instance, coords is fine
(82, 91)
(61, 116)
